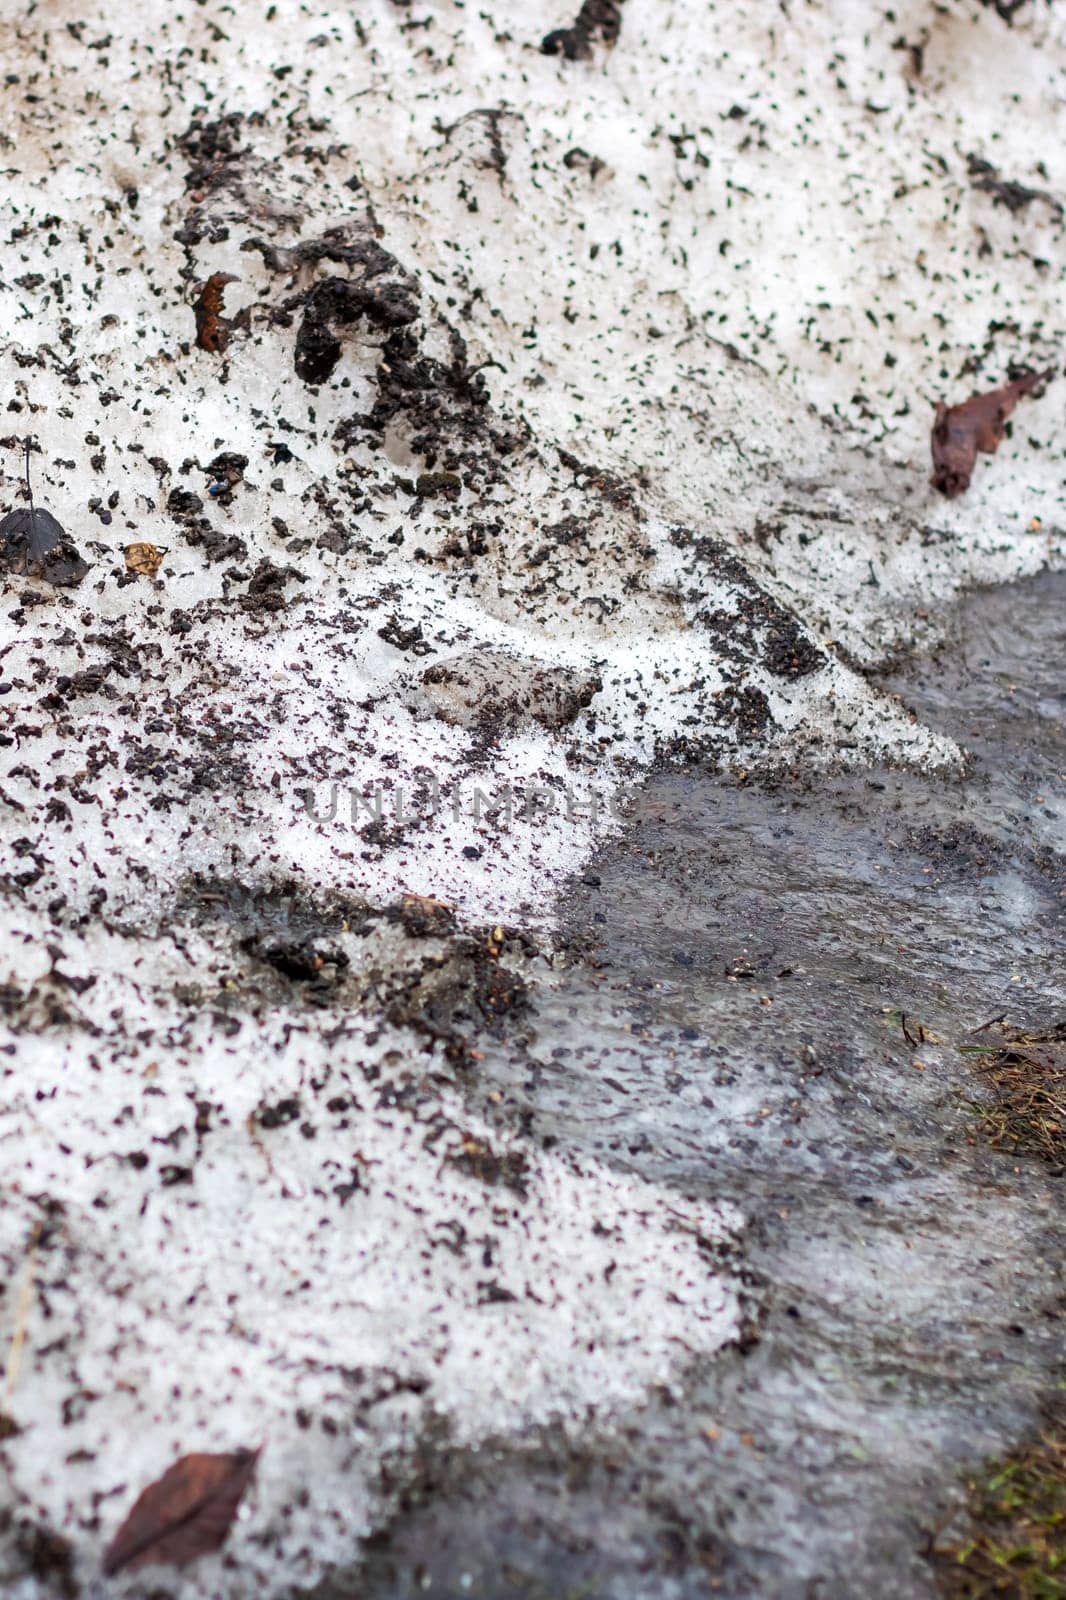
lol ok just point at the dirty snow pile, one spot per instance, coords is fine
(449, 429)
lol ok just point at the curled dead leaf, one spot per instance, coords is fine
(33, 541)
(212, 329)
(187, 1513)
(144, 559)
(978, 424)
(37, 530)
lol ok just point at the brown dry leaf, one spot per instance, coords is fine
(212, 329)
(978, 424)
(144, 559)
(187, 1513)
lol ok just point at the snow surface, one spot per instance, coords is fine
(726, 268)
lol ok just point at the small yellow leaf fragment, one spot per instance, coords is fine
(144, 559)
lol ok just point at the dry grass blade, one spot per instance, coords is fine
(18, 1337)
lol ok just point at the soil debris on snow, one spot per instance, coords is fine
(598, 20)
(1007, 191)
(509, 481)
(496, 693)
(1007, 9)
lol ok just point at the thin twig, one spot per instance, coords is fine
(29, 490)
